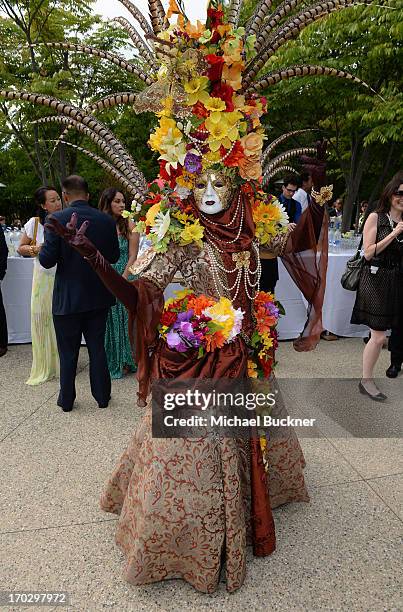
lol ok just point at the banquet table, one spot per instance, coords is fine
(16, 288)
(337, 308)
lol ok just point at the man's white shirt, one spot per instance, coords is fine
(302, 197)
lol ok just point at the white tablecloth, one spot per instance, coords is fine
(16, 288)
(337, 310)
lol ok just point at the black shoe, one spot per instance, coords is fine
(65, 408)
(393, 370)
(3, 351)
(379, 397)
(104, 405)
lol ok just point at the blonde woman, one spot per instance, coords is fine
(45, 361)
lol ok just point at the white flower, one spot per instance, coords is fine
(284, 220)
(239, 314)
(161, 225)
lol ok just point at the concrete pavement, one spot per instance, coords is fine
(340, 552)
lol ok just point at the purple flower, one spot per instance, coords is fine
(272, 309)
(193, 163)
(175, 342)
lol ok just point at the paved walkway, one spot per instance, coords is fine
(340, 552)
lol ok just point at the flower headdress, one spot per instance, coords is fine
(204, 121)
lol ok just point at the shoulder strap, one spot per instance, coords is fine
(35, 234)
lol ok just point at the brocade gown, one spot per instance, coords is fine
(185, 505)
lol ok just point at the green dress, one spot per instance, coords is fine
(117, 344)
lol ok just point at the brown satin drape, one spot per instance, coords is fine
(306, 259)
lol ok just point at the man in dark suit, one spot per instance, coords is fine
(3, 320)
(80, 300)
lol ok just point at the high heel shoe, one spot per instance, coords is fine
(378, 397)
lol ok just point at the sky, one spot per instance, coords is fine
(195, 9)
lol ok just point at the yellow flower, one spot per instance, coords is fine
(152, 213)
(167, 107)
(186, 180)
(215, 104)
(223, 314)
(213, 157)
(192, 233)
(167, 130)
(266, 213)
(181, 216)
(223, 130)
(197, 90)
(178, 295)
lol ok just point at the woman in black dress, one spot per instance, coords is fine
(381, 282)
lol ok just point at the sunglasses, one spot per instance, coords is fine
(399, 193)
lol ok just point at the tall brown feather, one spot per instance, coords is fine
(291, 29)
(138, 42)
(138, 16)
(128, 185)
(234, 11)
(118, 61)
(275, 76)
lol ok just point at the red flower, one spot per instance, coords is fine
(168, 318)
(170, 178)
(200, 110)
(237, 154)
(225, 93)
(216, 62)
(215, 16)
(266, 365)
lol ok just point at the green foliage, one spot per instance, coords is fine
(27, 156)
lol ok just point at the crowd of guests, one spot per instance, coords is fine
(69, 301)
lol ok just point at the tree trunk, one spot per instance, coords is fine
(376, 190)
(359, 163)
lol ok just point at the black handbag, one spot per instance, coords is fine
(351, 277)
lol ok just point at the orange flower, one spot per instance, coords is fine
(263, 321)
(232, 75)
(263, 297)
(213, 341)
(198, 304)
(195, 31)
(250, 168)
(252, 144)
(173, 9)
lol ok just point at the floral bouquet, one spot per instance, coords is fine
(264, 338)
(165, 217)
(270, 217)
(199, 322)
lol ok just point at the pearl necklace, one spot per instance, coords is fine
(252, 285)
(212, 239)
(234, 218)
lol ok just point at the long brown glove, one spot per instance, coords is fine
(122, 289)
